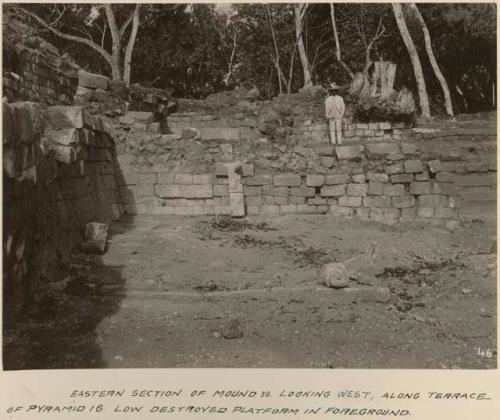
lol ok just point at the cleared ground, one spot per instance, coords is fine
(170, 289)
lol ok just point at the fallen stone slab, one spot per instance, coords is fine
(233, 330)
(335, 275)
(368, 294)
(137, 117)
(91, 80)
(96, 235)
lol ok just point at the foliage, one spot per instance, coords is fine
(199, 49)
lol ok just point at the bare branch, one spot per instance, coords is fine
(130, 46)
(126, 24)
(69, 37)
(337, 43)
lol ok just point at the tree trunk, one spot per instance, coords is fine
(116, 50)
(415, 60)
(300, 10)
(338, 54)
(432, 59)
(127, 62)
(276, 50)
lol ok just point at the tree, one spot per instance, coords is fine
(432, 59)
(415, 60)
(120, 58)
(338, 53)
(300, 12)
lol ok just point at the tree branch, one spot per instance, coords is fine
(130, 46)
(125, 25)
(69, 37)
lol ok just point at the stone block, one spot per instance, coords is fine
(184, 179)
(479, 194)
(137, 117)
(413, 166)
(403, 201)
(349, 201)
(327, 161)
(419, 188)
(376, 214)
(341, 211)
(394, 157)
(348, 152)
(168, 191)
(482, 166)
(27, 118)
(385, 125)
(445, 177)
(357, 190)
(184, 211)
(474, 180)
(401, 178)
(315, 180)
(252, 190)
(424, 176)
(394, 169)
(166, 178)
(221, 190)
(302, 191)
(325, 150)
(8, 124)
(460, 168)
(196, 191)
(448, 166)
(221, 170)
(147, 178)
(288, 209)
(91, 80)
(253, 210)
(333, 190)
(390, 216)
(433, 200)
(237, 204)
(375, 188)
(202, 179)
(337, 179)
(259, 180)
(221, 134)
(317, 201)
(362, 213)
(371, 176)
(297, 200)
(306, 209)
(408, 214)
(359, 178)
(62, 116)
(444, 188)
(382, 149)
(445, 213)
(247, 169)
(145, 190)
(394, 190)
(435, 166)
(286, 180)
(275, 191)
(425, 212)
(254, 200)
(377, 201)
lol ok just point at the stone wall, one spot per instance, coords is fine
(381, 173)
(34, 70)
(58, 174)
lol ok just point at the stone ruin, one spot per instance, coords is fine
(80, 148)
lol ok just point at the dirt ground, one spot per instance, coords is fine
(220, 292)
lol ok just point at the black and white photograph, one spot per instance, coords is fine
(249, 185)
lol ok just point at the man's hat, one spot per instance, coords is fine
(333, 86)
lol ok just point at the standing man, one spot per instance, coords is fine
(334, 112)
